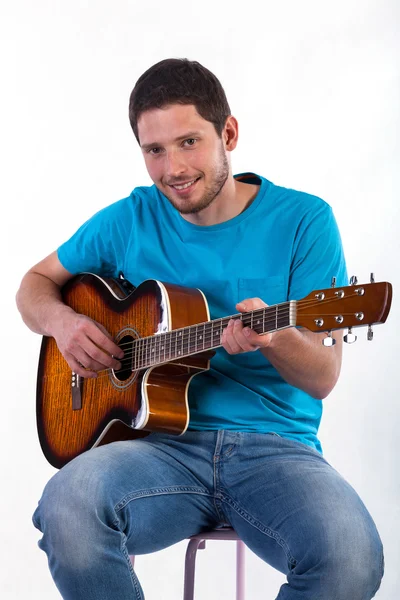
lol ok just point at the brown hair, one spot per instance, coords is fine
(179, 81)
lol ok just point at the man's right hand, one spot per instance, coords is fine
(85, 344)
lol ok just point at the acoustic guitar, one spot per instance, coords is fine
(167, 337)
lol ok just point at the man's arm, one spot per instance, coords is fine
(297, 354)
(302, 360)
(39, 297)
(85, 345)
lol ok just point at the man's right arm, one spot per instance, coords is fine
(39, 297)
(86, 345)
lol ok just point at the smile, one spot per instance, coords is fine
(184, 186)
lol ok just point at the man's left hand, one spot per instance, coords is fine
(237, 339)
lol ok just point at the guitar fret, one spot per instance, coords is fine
(170, 345)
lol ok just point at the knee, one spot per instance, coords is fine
(355, 564)
(344, 560)
(74, 506)
(67, 494)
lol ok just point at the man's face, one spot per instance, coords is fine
(180, 148)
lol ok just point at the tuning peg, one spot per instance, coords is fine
(370, 333)
(329, 340)
(353, 280)
(350, 338)
(333, 282)
(372, 278)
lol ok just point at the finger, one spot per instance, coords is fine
(231, 347)
(98, 359)
(244, 338)
(77, 368)
(85, 361)
(101, 338)
(250, 304)
(228, 339)
(233, 339)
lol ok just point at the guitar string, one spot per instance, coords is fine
(246, 318)
(143, 361)
(144, 341)
(146, 363)
(141, 345)
(243, 316)
(250, 314)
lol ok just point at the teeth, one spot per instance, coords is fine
(186, 185)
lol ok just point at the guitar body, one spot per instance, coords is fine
(75, 414)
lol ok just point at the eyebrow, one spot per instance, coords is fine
(190, 134)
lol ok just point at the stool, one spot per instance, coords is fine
(198, 542)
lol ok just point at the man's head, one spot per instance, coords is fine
(181, 119)
(179, 81)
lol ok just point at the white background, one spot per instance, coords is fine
(315, 87)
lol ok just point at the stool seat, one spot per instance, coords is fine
(223, 533)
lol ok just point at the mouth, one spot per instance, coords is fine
(184, 187)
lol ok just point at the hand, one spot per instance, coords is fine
(86, 345)
(237, 339)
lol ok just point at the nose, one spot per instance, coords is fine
(175, 165)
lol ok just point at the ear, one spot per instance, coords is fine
(230, 133)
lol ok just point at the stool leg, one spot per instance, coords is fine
(240, 547)
(190, 564)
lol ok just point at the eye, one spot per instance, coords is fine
(190, 141)
(153, 151)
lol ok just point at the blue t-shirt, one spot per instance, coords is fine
(283, 246)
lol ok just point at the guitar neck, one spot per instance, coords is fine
(187, 341)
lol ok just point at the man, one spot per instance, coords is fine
(251, 457)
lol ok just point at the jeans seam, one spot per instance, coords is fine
(124, 551)
(160, 492)
(261, 527)
(216, 466)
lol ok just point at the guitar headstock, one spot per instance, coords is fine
(345, 307)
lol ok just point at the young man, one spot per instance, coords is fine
(251, 457)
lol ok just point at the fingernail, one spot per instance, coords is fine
(246, 332)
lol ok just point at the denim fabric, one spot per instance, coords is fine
(282, 497)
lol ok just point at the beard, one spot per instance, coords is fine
(218, 177)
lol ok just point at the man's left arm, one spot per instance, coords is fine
(297, 354)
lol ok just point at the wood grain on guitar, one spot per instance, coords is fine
(167, 338)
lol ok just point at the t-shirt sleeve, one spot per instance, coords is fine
(317, 254)
(98, 246)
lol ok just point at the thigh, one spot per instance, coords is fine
(292, 508)
(155, 490)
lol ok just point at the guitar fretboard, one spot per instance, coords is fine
(194, 339)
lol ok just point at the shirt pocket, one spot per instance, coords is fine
(270, 289)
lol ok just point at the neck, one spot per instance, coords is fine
(195, 339)
(233, 199)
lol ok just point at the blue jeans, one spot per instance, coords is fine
(282, 497)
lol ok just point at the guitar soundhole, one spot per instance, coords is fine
(126, 369)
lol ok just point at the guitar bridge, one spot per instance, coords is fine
(76, 391)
